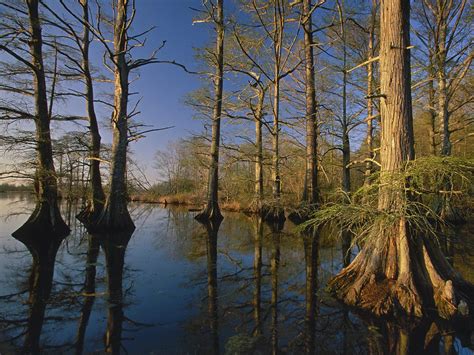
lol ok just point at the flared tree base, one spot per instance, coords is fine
(89, 215)
(302, 214)
(211, 213)
(273, 214)
(410, 278)
(112, 220)
(45, 220)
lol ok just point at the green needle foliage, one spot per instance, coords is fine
(422, 186)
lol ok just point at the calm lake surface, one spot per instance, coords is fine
(178, 287)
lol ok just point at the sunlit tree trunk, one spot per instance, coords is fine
(311, 190)
(115, 214)
(259, 148)
(212, 211)
(46, 216)
(443, 103)
(370, 92)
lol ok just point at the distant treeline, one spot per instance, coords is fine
(12, 187)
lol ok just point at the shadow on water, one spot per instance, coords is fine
(242, 286)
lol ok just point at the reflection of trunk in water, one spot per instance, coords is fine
(212, 229)
(346, 240)
(88, 291)
(274, 266)
(114, 246)
(421, 338)
(257, 273)
(311, 253)
(43, 249)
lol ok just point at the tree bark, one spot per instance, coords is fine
(115, 215)
(311, 189)
(443, 103)
(369, 166)
(259, 149)
(212, 211)
(46, 218)
(97, 200)
(399, 269)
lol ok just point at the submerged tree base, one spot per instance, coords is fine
(211, 213)
(45, 220)
(302, 214)
(89, 215)
(273, 213)
(408, 276)
(112, 219)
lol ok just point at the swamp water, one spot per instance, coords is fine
(178, 287)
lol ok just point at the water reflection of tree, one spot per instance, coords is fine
(43, 249)
(89, 292)
(212, 229)
(114, 247)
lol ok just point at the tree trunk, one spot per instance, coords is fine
(443, 103)
(115, 215)
(46, 218)
(311, 189)
(432, 104)
(399, 269)
(212, 211)
(259, 150)
(369, 166)
(97, 200)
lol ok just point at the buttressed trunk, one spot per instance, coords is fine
(46, 217)
(311, 190)
(115, 214)
(212, 211)
(399, 269)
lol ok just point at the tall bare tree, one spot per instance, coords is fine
(212, 211)
(46, 216)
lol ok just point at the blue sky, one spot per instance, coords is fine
(162, 86)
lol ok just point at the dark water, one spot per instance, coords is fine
(178, 287)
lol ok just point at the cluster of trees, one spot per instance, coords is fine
(46, 64)
(301, 112)
(271, 54)
(313, 80)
